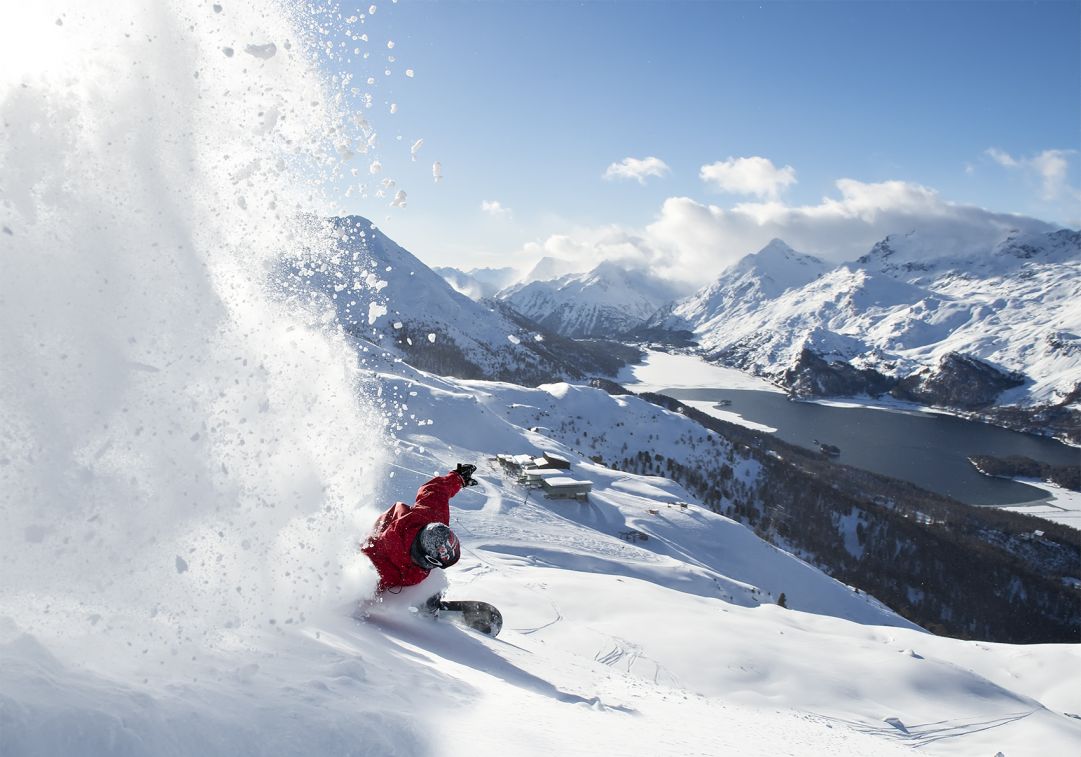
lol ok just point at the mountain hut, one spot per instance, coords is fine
(563, 487)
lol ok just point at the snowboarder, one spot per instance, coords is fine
(407, 543)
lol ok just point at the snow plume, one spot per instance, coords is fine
(176, 441)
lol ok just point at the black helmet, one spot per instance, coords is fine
(435, 546)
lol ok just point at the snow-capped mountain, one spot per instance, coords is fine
(549, 267)
(744, 288)
(607, 300)
(902, 313)
(478, 283)
(927, 259)
(384, 295)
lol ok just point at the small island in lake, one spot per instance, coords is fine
(1018, 466)
(829, 450)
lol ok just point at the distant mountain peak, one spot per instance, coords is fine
(776, 245)
(478, 283)
(610, 268)
(1063, 244)
(772, 270)
(609, 299)
(920, 256)
(777, 252)
(550, 268)
(1000, 295)
(384, 296)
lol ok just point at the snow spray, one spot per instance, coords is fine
(179, 448)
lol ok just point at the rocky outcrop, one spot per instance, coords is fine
(661, 335)
(1066, 476)
(812, 376)
(1061, 420)
(609, 386)
(959, 381)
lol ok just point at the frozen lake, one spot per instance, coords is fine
(928, 449)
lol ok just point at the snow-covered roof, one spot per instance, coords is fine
(556, 460)
(565, 482)
(542, 473)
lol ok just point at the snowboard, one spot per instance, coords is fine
(480, 616)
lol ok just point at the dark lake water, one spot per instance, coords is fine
(926, 449)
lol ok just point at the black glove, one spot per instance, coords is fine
(466, 473)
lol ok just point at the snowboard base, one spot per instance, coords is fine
(480, 616)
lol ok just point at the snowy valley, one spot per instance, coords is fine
(986, 324)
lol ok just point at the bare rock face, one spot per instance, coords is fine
(813, 376)
(609, 386)
(1061, 419)
(959, 381)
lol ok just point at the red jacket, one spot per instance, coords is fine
(394, 531)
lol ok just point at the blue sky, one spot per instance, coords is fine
(528, 103)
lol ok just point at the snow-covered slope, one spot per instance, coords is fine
(607, 300)
(418, 316)
(408, 293)
(744, 288)
(902, 309)
(667, 643)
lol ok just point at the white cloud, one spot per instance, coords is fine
(582, 249)
(495, 209)
(1001, 157)
(1050, 167)
(691, 242)
(749, 176)
(637, 168)
(709, 238)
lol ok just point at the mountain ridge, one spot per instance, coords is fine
(387, 298)
(904, 319)
(608, 299)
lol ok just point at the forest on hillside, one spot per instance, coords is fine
(955, 569)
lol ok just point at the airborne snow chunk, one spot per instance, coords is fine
(264, 52)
